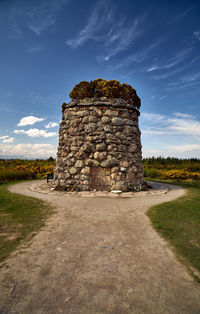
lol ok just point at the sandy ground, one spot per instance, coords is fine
(97, 254)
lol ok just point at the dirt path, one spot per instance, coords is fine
(66, 270)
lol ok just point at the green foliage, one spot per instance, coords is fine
(104, 88)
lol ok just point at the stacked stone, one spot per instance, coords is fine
(102, 134)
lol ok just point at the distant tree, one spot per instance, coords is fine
(50, 159)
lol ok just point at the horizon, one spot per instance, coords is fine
(48, 47)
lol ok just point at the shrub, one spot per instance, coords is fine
(104, 88)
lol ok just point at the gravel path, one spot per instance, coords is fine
(97, 254)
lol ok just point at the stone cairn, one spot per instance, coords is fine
(99, 146)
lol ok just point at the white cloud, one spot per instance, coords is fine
(153, 117)
(29, 120)
(153, 132)
(51, 125)
(173, 151)
(188, 126)
(185, 148)
(8, 140)
(28, 150)
(114, 33)
(177, 124)
(183, 115)
(35, 133)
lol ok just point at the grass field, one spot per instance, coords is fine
(178, 221)
(20, 218)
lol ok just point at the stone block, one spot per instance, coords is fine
(105, 119)
(132, 148)
(79, 164)
(85, 170)
(72, 170)
(85, 120)
(100, 155)
(118, 121)
(93, 119)
(128, 129)
(92, 163)
(110, 163)
(87, 147)
(101, 147)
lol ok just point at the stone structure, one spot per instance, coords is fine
(99, 146)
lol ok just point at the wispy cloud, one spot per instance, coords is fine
(196, 35)
(182, 14)
(191, 77)
(15, 31)
(178, 58)
(191, 80)
(139, 56)
(38, 18)
(122, 36)
(98, 19)
(163, 97)
(28, 150)
(35, 133)
(29, 120)
(43, 16)
(172, 72)
(35, 49)
(114, 33)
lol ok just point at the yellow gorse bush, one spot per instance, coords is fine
(105, 88)
(24, 169)
(180, 174)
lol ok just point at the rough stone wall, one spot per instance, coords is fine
(99, 146)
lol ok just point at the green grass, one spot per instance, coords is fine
(20, 218)
(179, 222)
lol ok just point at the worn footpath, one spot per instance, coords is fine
(97, 254)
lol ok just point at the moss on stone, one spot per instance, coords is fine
(105, 88)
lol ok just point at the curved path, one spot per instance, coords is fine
(97, 255)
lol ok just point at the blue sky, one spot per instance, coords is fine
(49, 46)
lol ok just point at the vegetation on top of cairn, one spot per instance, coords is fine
(104, 88)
